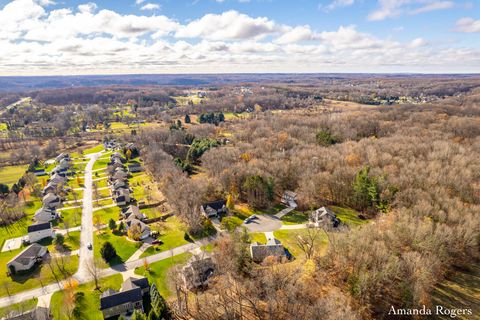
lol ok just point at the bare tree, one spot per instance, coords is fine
(95, 270)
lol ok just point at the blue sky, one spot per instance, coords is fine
(148, 36)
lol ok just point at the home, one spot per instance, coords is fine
(118, 175)
(289, 198)
(132, 212)
(119, 184)
(115, 157)
(39, 172)
(214, 209)
(201, 94)
(129, 298)
(45, 215)
(143, 230)
(39, 231)
(62, 156)
(273, 248)
(38, 313)
(57, 178)
(51, 187)
(135, 167)
(51, 201)
(197, 271)
(122, 196)
(26, 259)
(324, 218)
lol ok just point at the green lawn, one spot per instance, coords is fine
(92, 298)
(243, 211)
(101, 183)
(10, 174)
(124, 247)
(31, 280)
(172, 233)
(101, 163)
(71, 243)
(348, 216)
(159, 272)
(3, 126)
(106, 214)
(289, 240)
(18, 307)
(19, 228)
(94, 149)
(72, 216)
(258, 237)
(295, 217)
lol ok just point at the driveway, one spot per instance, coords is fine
(263, 223)
(86, 235)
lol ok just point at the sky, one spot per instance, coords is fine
(55, 37)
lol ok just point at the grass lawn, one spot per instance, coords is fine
(71, 242)
(124, 247)
(19, 228)
(10, 174)
(172, 233)
(101, 203)
(92, 298)
(258, 237)
(3, 126)
(94, 149)
(158, 273)
(102, 182)
(289, 240)
(243, 210)
(348, 216)
(70, 196)
(295, 217)
(73, 217)
(106, 214)
(30, 280)
(18, 307)
(101, 163)
(460, 290)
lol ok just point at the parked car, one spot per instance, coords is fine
(157, 242)
(89, 246)
(249, 219)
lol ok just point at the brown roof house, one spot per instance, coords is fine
(273, 248)
(27, 259)
(129, 298)
(197, 271)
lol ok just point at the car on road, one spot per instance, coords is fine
(89, 246)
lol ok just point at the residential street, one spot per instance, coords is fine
(86, 236)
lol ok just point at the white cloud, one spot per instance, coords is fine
(150, 6)
(395, 8)
(468, 25)
(36, 40)
(87, 7)
(336, 4)
(230, 25)
(139, 1)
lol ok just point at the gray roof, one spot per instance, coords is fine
(131, 292)
(273, 247)
(39, 226)
(26, 256)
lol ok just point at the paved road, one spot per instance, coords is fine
(51, 288)
(86, 236)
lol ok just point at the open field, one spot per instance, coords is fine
(10, 174)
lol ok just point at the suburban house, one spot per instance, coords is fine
(39, 231)
(122, 196)
(38, 313)
(115, 157)
(324, 217)
(289, 198)
(26, 259)
(119, 175)
(57, 179)
(135, 167)
(39, 172)
(129, 298)
(111, 167)
(51, 201)
(50, 187)
(62, 156)
(45, 215)
(197, 271)
(142, 227)
(132, 212)
(273, 248)
(214, 209)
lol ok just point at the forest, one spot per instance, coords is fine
(412, 170)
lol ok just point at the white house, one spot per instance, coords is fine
(26, 259)
(39, 231)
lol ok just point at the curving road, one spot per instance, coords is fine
(86, 236)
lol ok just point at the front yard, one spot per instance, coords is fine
(125, 248)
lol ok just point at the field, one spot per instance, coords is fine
(91, 305)
(10, 174)
(159, 272)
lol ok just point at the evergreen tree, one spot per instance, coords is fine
(108, 252)
(112, 224)
(187, 118)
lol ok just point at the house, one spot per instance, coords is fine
(201, 94)
(39, 231)
(51, 187)
(135, 167)
(45, 215)
(129, 298)
(197, 271)
(119, 184)
(62, 156)
(26, 259)
(115, 157)
(214, 209)
(39, 172)
(57, 178)
(38, 313)
(122, 196)
(140, 225)
(51, 201)
(324, 217)
(289, 198)
(132, 212)
(119, 175)
(273, 248)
